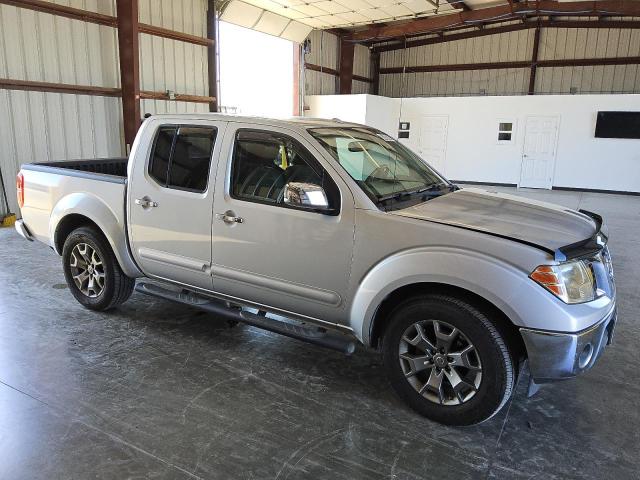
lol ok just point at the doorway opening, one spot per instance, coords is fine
(256, 72)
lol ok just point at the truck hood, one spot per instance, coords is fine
(541, 224)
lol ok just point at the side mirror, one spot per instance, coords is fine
(307, 196)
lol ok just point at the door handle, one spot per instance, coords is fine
(229, 218)
(146, 202)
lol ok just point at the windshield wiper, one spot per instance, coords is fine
(433, 190)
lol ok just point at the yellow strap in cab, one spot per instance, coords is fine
(283, 157)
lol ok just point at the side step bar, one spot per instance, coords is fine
(314, 335)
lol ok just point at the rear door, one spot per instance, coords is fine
(170, 200)
(291, 259)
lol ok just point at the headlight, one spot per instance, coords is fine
(571, 282)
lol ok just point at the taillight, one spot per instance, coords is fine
(20, 189)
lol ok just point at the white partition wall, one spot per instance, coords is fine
(486, 138)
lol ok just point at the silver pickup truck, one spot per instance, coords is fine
(332, 232)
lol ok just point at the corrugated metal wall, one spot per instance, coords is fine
(361, 67)
(555, 43)
(167, 64)
(325, 49)
(36, 46)
(325, 52)
(510, 46)
(39, 126)
(564, 43)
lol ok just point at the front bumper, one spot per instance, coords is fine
(557, 356)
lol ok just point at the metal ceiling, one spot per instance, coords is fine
(326, 14)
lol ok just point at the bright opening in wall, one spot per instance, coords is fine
(256, 72)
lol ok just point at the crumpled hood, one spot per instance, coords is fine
(543, 224)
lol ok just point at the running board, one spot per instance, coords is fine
(314, 335)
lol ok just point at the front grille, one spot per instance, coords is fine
(606, 259)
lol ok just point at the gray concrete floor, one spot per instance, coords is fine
(155, 390)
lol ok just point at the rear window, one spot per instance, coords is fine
(159, 165)
(181, 157)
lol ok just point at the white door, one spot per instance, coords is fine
(539, 152)
(433, 140)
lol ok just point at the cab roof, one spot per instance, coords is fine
(295, 123)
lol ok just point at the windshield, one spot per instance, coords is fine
(388, 172)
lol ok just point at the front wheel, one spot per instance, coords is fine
(446, 360)
(92, 270)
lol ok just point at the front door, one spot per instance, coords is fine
(266, 251)
(433, 140)
(170, 200)
(539, 153)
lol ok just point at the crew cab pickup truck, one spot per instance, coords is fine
(332, 233)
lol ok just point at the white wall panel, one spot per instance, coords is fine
(582, 160)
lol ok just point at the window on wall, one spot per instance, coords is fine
(506, 131)
(181, 157)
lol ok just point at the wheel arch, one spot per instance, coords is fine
(77, 210)
(67, 225)
(485, 281)
(502, 322)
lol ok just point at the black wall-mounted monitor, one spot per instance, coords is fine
(618, 125)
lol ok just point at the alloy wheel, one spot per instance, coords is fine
(87, 270)
(440, 362)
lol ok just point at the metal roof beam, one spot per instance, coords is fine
(509, 11)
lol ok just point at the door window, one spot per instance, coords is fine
(264, 162)
(181, 157)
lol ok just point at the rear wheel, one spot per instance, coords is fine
(447, 360)
(92, 270)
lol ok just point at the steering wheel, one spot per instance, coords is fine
(381, 171)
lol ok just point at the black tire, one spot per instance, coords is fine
(117, 286)
(497, 379)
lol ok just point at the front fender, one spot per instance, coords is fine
(111, 224)
(492, 279)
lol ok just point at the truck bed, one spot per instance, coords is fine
(93, 168)
(53, 190)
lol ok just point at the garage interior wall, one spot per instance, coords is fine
(37, 46)
(555, 43)
(582, 161)
(167, 64)
(325, 53)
